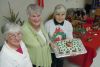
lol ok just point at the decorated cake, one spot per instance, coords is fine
(67, 48)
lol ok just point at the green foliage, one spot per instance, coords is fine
(13, 16)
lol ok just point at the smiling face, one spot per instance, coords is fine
(13, 39)
(34, 19)
(59, 13)
(60, 17)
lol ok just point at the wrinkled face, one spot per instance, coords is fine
(35, 19)
(13, 39)
(60, 17)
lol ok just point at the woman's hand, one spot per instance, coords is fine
(52, 45)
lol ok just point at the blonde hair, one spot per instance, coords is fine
(33, 8)
(59, 8)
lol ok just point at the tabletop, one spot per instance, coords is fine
(91, 41)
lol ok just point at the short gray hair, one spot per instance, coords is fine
(10, 28)
(59, 8)
(33, 8)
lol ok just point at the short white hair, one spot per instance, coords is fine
(33, 8)
(10, 28)
(59, 9)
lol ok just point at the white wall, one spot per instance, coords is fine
(20, 5)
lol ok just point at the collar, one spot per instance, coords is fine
(19, 50)
(56, 23)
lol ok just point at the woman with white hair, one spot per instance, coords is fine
(58, 29)
(35, 38)
(14, 52)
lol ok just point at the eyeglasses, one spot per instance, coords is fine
(14, 35)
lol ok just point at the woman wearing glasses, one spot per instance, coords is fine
(14, 52)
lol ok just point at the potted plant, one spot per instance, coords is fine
(13, 16)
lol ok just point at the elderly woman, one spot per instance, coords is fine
(59, 29)
(14, 52)
(36, 38)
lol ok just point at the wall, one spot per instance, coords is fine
(20, 6)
